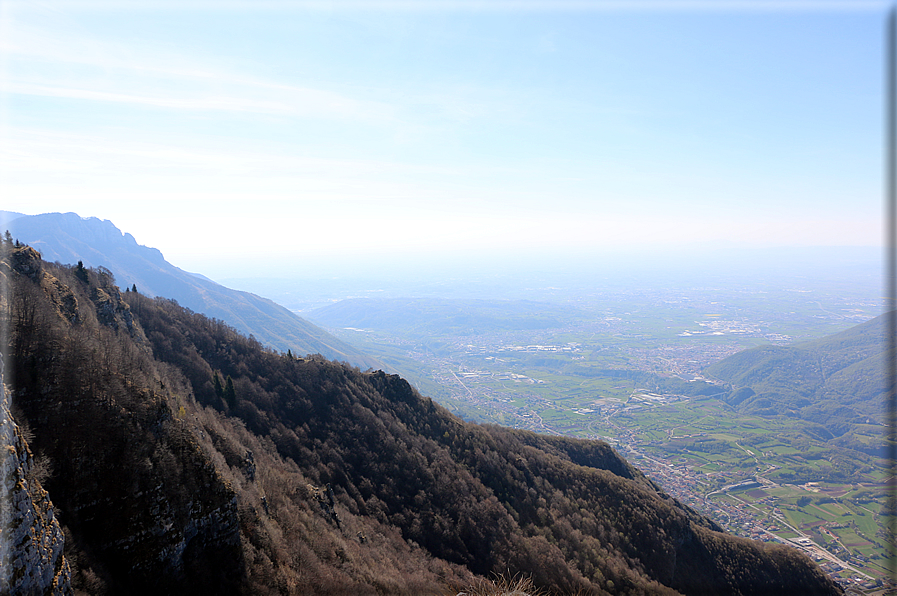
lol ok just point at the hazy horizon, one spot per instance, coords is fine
(680, 265)
(240, 139)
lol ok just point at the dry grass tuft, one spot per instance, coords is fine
(516, 585)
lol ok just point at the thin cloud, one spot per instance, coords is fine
(153, 75)
(109, 160)
(210, 103)
(291, 100)
(477, 6)
(183, 80)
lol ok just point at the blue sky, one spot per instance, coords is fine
(373, 131)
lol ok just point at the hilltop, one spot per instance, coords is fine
(836, 381)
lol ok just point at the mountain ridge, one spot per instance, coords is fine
(837, 381)
(308, 476)
(69, 238)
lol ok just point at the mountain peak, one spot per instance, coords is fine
(69, 238)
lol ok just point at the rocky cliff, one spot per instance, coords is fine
(146, 505)
(31, 541)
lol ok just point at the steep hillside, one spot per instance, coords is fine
(68, 238)
(836, 381)
(184, 454)
(31, 544)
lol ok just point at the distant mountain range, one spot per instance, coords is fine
(69, 238)
(441, 317)
(837, 381)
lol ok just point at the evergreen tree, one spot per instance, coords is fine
(230, 394)
(216, 383)
(81, 272)
(134, 288)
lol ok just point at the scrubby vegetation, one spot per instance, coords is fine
(186, 457)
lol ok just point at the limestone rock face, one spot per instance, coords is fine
(112, 311)
(31, 540)
(27, 261)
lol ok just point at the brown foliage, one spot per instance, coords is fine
(317, 478)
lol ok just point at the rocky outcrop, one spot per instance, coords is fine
(112, 311)
(25, 261)
(31, 540)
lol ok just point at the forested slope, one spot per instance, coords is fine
(184, 456)
(836, 381)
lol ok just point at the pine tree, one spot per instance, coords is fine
(230, 394)
(216, 383)
(81, 272)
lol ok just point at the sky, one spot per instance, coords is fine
(235, 134)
